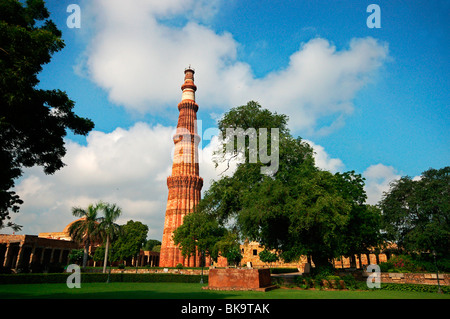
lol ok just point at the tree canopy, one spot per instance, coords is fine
(85, 230)
(199, 234)
(130, 240)
(416, 213)
(33, 121)
(109, 230)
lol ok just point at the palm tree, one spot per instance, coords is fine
(107, 227)
(85, 229)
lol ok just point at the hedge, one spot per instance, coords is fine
(95, 277)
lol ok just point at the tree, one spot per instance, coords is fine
(268, 257)
(199, 234)
(107, 227)
(299, 209)
(315, 215)
(228, 246)
(76, 256)
(33, 121)
(416, 213)
(99, 254)
(233, 256)
(362, 233)
(86, 229)
(130, 241)
(151, 244)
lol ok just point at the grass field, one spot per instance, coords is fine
(189, 291)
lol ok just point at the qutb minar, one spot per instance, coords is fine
(184, 184)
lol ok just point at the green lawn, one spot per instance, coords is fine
(188, 291)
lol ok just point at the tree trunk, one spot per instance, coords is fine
(86, 253)
(106, 254)
(352, 261)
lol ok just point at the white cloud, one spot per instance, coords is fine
(208, 169)
(323, 159)
(128, 167)
(139, 61)
(122, 167)
(378, 177)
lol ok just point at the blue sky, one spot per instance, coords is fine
(371, 100)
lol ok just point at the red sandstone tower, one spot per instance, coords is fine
(185, 183)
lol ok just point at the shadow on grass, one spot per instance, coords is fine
(121, 295)
(110, 291)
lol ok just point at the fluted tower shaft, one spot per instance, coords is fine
(184, 184)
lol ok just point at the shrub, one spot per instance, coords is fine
(350, 282)
(400, 263)
(323, 271)
(308, 282)
(406, 263)
(300, 281)
(335, 282)
(428, 264)
(279, 281)
(386, 266)
(443, 265)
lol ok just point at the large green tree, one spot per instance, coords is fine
(416, 213)
(130, 241)
(199, 235)
(362, 233)
(296, 210)
(33, 121)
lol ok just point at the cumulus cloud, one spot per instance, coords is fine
(324, 160)
(128, 167)
(125, 167)
(378, 177)
(136, 55)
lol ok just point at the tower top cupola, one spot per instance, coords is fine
(188, 86)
